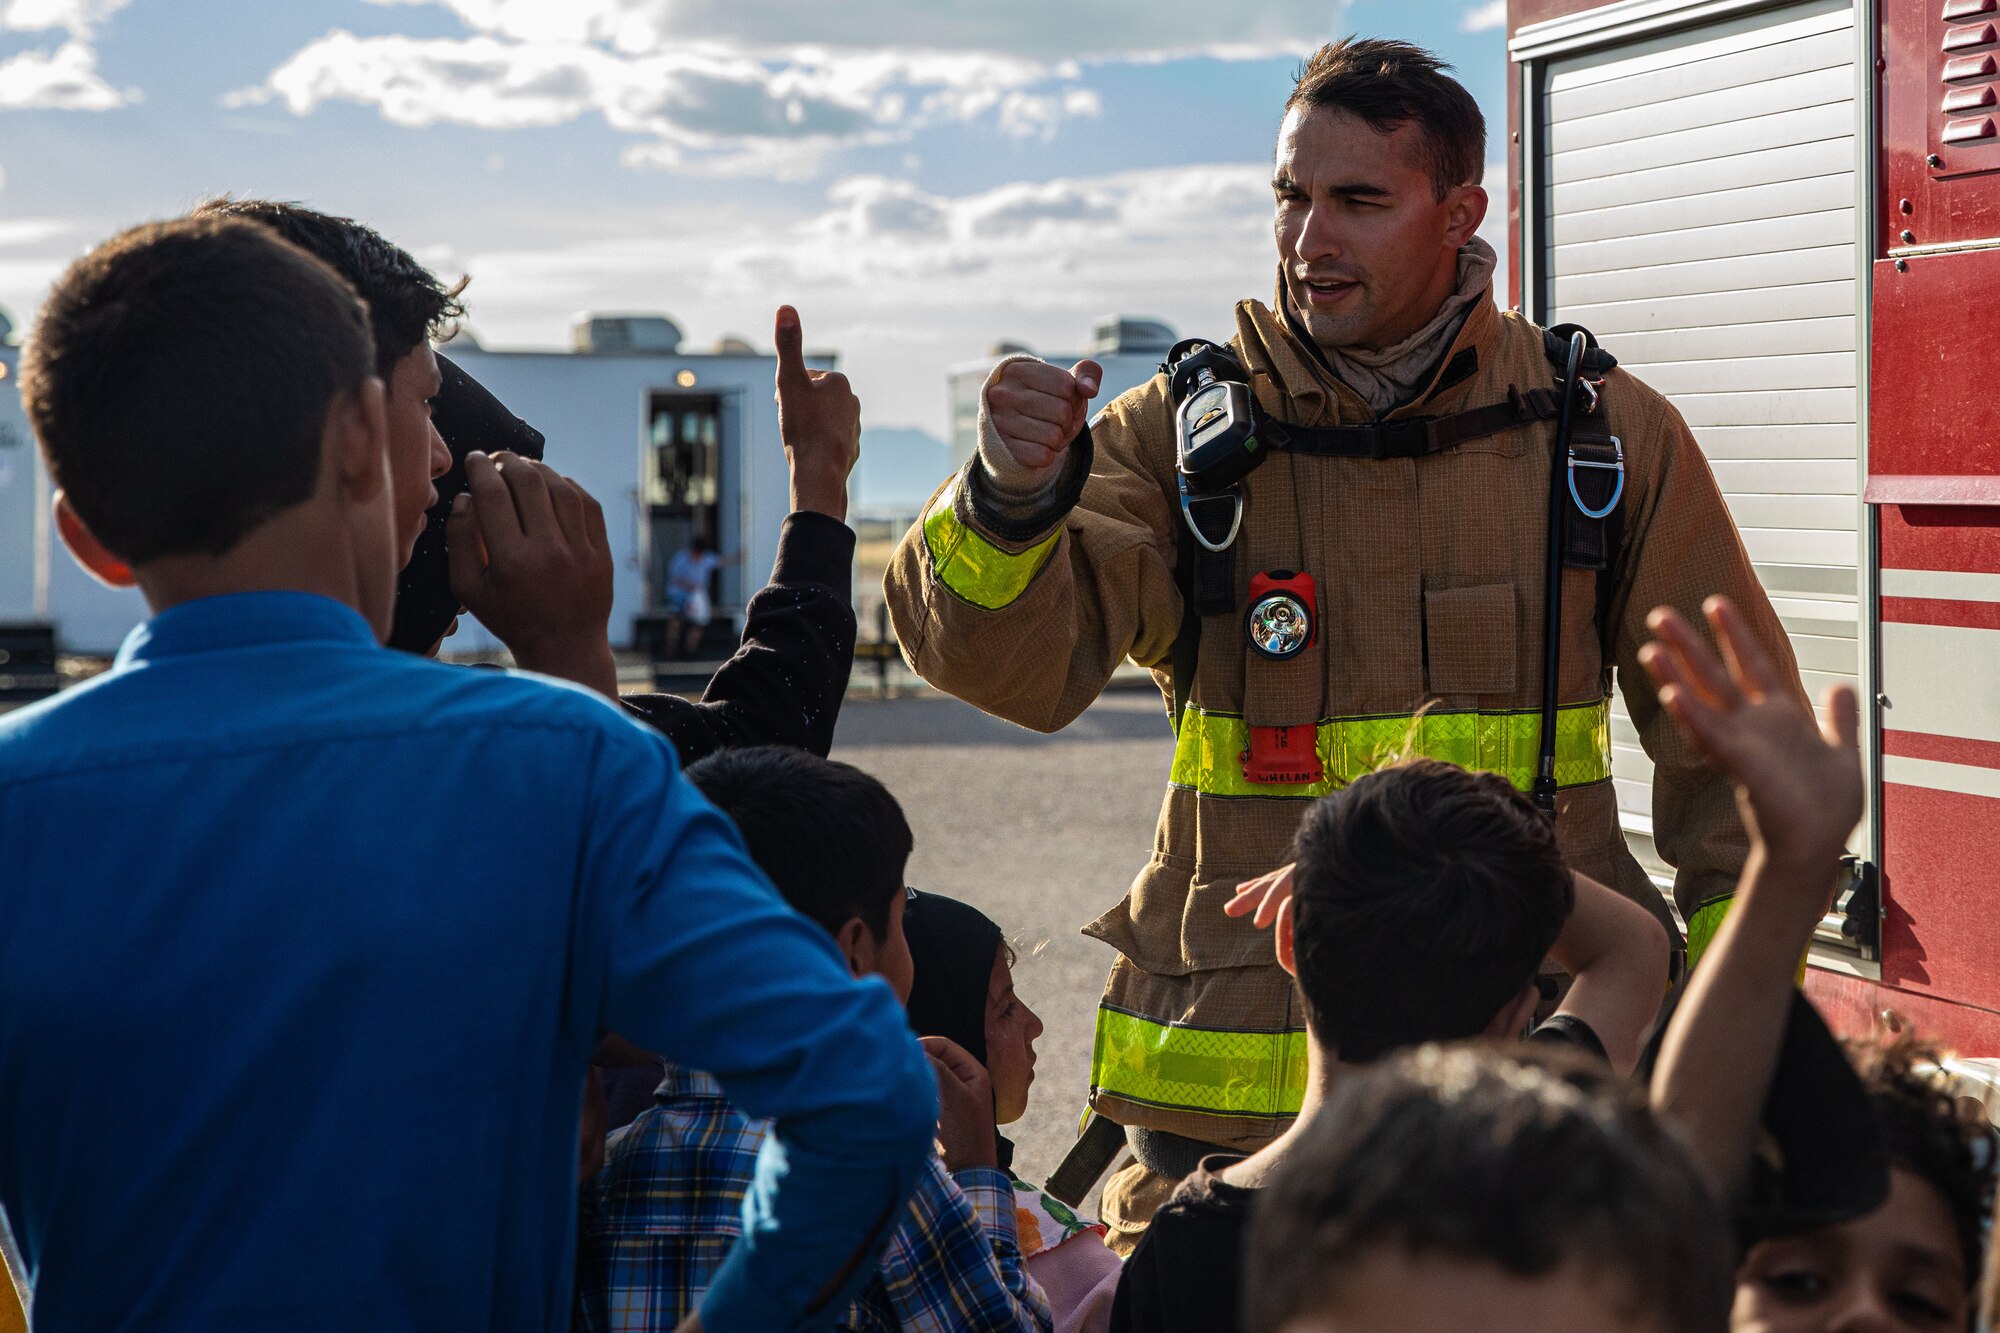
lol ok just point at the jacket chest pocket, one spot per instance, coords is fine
(1470, 645)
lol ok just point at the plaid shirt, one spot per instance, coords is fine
(668, 1206)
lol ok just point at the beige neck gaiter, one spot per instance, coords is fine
(1390, 377)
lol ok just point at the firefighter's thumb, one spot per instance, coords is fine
(1089, 377)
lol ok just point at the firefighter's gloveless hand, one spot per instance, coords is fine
(530, 558)
(819, 419)
(1036, 410)
(1798, 780)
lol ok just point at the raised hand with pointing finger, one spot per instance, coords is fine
(1029, 413)
(819, 419)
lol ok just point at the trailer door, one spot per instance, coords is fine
(1692, 203)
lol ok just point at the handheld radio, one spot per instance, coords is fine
(1216, 443)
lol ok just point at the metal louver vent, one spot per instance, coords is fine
(1965, 127)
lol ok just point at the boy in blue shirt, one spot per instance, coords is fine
(280, 869)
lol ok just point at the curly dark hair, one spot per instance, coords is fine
(406, 302)
(1940, 1137)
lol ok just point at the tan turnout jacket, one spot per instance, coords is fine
(1430, 579)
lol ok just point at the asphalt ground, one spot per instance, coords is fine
(1043, 834)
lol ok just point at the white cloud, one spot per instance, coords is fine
(32, 231)
(65, 79)
(1043, 30)
(700, 104)
(78, 17)
(904, 282)
(1484, 17)
(760, 86)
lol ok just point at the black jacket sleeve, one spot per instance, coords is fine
(1132, 1306)
(786, 681)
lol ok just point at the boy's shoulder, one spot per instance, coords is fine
(346, 695)
(521, 698)
(692, 1150)
(1205, 1194)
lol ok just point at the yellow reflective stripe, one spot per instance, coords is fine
(1707, 919)
(975, 568)
(1198, 1069)
(1707, 922)
(1208, 755)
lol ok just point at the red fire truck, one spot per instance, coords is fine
(1786, 217)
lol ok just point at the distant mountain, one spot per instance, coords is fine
(899, 469)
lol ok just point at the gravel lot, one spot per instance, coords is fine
(1043, 833)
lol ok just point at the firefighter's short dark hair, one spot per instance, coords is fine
(1425, 898)
(179, 379)
(1389, 83)
(407, 304)
(1522, 1157)
(832, 838)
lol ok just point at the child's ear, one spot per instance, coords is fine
(1514, 1017)
(1282, 933)
(857, 946)
(356, 435)
(98, 562)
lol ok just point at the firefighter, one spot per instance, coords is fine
(1366, 565)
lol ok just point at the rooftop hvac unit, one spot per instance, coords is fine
(626, 334)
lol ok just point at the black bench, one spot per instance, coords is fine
(27, 662)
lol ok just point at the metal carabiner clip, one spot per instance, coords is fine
(1588, 393)
(1234, 495)
(1617, 491)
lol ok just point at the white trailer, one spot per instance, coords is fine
(673, 444)
(24, 510)
(1129, 349)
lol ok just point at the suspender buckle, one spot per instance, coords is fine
(1588, 388)
(1213, 518)
(1617, 465)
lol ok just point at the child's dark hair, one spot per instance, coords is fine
(179, 380)
(1425, 897)
(831, 837)
(1940, 1138)
(1527, 1158)
(407, 305)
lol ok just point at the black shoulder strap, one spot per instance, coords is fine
(1207, 580)
(1187, 639)
(1596, 528)
(1555, 346)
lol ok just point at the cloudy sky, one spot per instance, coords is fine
(921, 177)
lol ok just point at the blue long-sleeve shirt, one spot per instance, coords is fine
(349, 924)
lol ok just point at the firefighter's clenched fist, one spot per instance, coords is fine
(1033, 410)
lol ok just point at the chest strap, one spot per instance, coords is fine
(1412, 437)
(1592, 473)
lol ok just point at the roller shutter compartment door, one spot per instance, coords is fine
(1698, 198)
